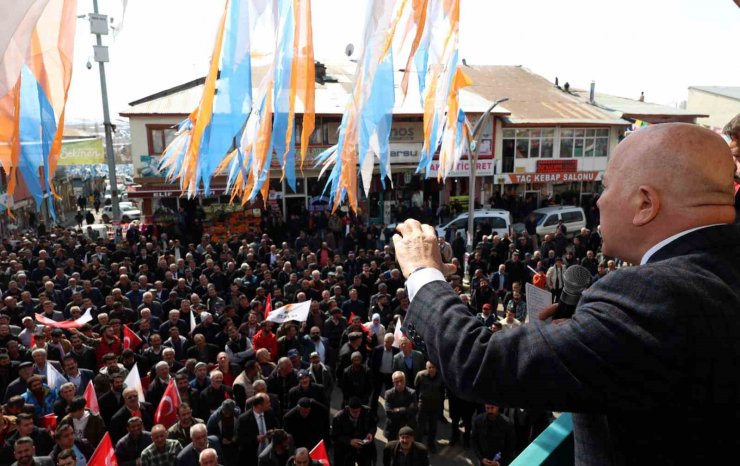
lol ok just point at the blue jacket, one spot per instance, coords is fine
(39, 409)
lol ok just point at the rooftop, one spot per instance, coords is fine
(732, 92)
(535, 100)
(633, 108)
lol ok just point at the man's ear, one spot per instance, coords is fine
(647, 205)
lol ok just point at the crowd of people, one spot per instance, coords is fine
(253, 392)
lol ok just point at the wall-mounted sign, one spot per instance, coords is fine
(557, 166)
(569, 177)
(462, 169)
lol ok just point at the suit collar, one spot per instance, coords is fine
(714, 236)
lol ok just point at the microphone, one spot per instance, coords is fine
(575, 279)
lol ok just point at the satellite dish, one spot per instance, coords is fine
(349, 50)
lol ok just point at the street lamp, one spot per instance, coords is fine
(473, 150)
(99, 26)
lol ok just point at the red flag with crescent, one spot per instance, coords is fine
(104, 454)
(167, 410)
(318, 453)
(130, 339)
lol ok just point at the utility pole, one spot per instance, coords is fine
(474, 149)
(99, 26)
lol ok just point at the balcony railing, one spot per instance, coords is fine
(553, 447)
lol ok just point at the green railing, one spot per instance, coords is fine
(553, 447)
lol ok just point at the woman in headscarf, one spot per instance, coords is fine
(376, 330)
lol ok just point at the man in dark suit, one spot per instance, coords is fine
(500, 281)
(409, 361)
(647, 363)
(381, 366)
(254, 429)
(79, 377)
(132, 407)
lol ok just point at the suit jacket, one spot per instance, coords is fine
(118, 422)
(498, 277)
(376, 357)
(418, 363)
(647, 363)
(247, 431)
(85, 377)
(188, 456)
(109, 405)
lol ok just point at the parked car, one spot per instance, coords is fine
(498, 220)
(547, 219)
(121, 205)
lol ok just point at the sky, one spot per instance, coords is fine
(659, 47)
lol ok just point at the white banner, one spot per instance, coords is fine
(293, 311)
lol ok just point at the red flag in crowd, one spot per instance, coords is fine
(318, 453)
(91, 399)
(49, 422)
(130, 339)
(268, 305)
(104, 454)
(167, 410)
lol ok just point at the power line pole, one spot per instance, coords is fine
(99, 26)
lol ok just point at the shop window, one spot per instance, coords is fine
(529, 143)
(587, 142)
(159, 137)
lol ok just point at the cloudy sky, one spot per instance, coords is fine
(657, 46)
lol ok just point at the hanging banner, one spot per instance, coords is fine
(82, 152)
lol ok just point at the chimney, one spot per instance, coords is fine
(642, 97)
(556, 82)
(592, 94)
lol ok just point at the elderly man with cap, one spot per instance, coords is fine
(19, 385)
(223, 424)
(353, 430)
(295, 358)
(356, 380)
(353, 344)
(405, 451)
(308, 423)
(307, 388)
(202, 350)
(156, 387)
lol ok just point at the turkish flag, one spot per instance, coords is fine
(49, 422)
(104, 454)
(167, 410)
(67, 324)
(268, 305)
(130, 339)
(91, 398)
(318, 453)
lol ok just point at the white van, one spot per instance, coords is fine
(547, 219)
(498, 220)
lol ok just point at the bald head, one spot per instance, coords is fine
(663, 180)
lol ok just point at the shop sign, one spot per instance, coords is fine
(557, 166)
(407, 131)
(82, 152)
(462, 169)
(405, 153)
(569, 177)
